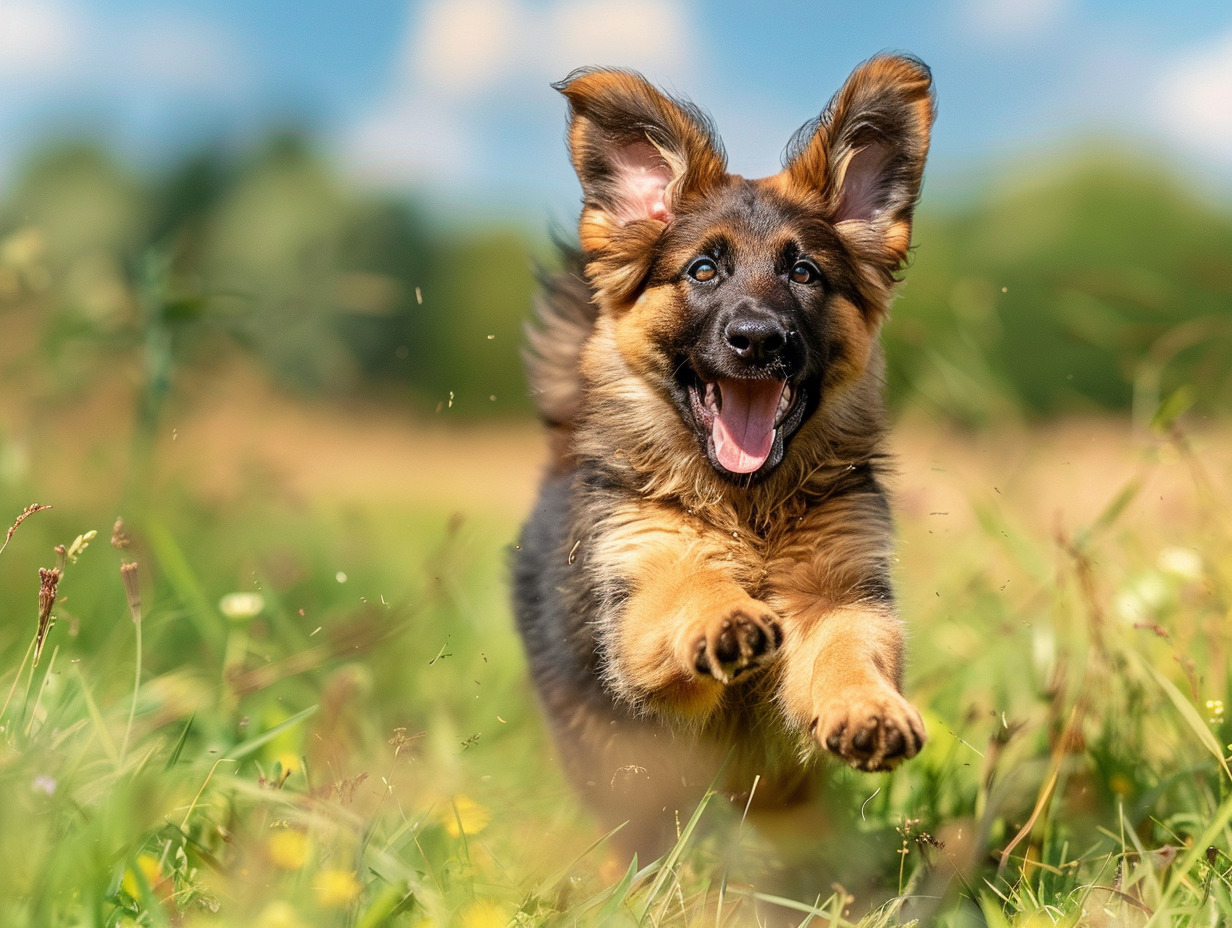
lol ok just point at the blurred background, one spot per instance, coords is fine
(263, 274)
(347, 203)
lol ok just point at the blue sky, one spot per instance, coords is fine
(450, 97)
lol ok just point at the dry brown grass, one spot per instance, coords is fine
(231, 432)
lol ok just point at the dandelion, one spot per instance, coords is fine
(484, 913)
(336, 888)
(280, 914)
(287, 848)
(150, 870)
(468, 818)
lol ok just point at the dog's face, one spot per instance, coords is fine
(748, 305)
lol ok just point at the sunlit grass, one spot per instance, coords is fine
(325, 721)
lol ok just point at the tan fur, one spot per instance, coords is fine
(680, 619)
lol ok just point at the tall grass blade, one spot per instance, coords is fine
(1200, 729)
(178, 749)
(96, 717)
(620, 892)
(179, 572)
(673, 856)
(564, 871)
(255, 743)
(1180, 869)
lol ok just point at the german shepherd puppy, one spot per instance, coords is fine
(703, 587)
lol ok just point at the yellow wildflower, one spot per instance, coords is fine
(288, 848)
(279, 914)
(466, 817)
(148, 865)
(336, 888)
(484, 913)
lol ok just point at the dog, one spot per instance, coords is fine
(703, 587)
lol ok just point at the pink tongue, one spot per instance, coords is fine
(743, 431)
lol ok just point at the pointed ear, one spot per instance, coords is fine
(864, 156)
(640, 155)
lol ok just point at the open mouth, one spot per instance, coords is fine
(746, 422)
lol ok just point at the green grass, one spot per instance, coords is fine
(359, 746)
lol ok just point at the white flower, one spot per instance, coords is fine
(44, 784)
(1182, 563)
(240, 607)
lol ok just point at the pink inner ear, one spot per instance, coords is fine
(640, 178)
(863, 193)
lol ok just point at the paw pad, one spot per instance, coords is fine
(738, 643)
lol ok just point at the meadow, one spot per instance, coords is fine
(257, 660)
(305, 704)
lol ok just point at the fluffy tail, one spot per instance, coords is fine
(564, 318)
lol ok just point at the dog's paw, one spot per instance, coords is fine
(871, 728)
(739, 642)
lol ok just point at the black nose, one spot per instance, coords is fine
(756, 337)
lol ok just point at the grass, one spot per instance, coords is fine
(317, 715)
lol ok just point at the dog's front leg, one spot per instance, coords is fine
(683, 624)
(841, 682)
(841, 675)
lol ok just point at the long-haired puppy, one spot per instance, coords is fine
(704, 583)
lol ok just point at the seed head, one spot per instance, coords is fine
(119, 538)
(48, 579)
(132, 588)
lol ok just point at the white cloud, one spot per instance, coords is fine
(464, 46)
(1192, 100)
(48, 44)
(412, 137)
(642, 34)
(468, 63)
(469, 46)
(38, 39)
(1012, 20)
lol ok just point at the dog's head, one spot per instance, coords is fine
(748, 304)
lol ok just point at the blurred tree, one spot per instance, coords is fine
(272, 244)
(474, 309)
(1103, 286)
(87, 215)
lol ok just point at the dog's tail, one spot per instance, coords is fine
(564, 318)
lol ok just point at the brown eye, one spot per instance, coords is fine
(804, 272)
(703, 269)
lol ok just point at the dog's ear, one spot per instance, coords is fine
(639, 154)
(864, 156)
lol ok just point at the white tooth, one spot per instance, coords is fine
(785, 400)
(711, 398)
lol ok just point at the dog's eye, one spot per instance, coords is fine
(703, 269)
(805, 272)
